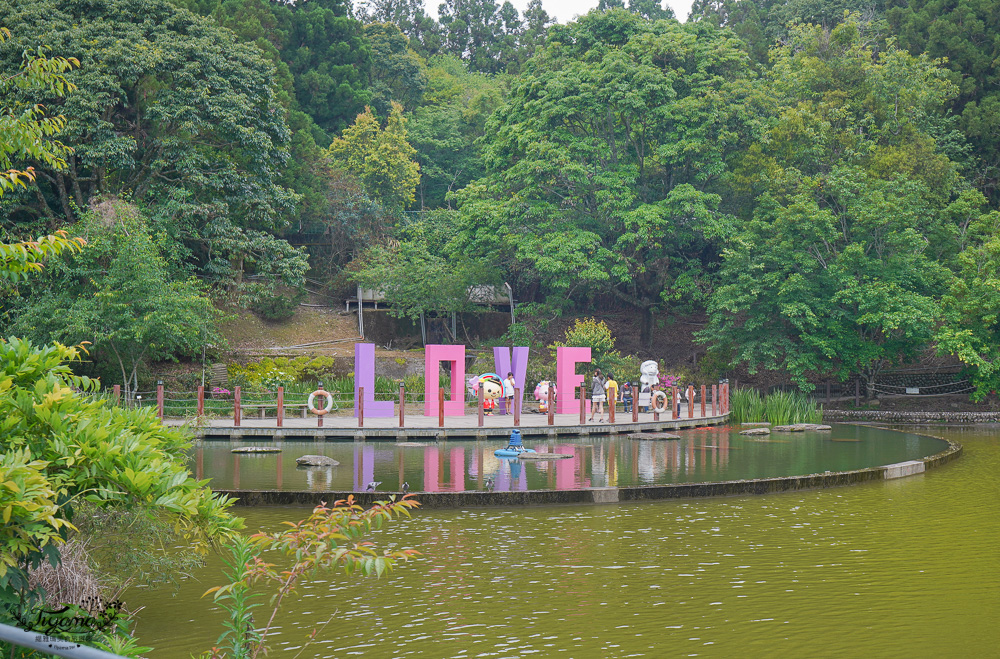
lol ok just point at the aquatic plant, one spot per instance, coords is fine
(778, 408)
(745, 405)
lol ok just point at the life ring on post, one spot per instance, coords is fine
(312, 400)
(662, 407)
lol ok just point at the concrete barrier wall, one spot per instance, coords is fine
(886, 416)
(476, 499)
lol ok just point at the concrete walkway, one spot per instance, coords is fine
(418, 425)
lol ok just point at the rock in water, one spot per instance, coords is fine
(316, 461)
(802, 427)
(653, 435)
(756, 431)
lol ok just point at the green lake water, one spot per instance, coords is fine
(898, 568)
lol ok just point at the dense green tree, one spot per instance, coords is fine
(411, 16)
(971, 330)
(398, 73)
(481, 32)
(445, 130)
(840, 269)
(536, 25)
(351, 220)
(380, 157)
(763, 23)
(967, 34)
(422, 274)
(169, 107)
(330, 61)
(117, 294)
(604, 166)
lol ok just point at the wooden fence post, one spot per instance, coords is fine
(715, 400)
(361, 407)
(703, 401)
(281, 406)
(583, 405)
(402, 404)
(690, 401)
(635, 403)
(159, 401)
(482, 399)
(611, 407)
(517, 407)
(236, 406)
(552, 406)
(201, 401)
(441, 407)
(117, 393)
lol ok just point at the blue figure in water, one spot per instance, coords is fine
(514, 447)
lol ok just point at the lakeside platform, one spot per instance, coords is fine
(419, 426)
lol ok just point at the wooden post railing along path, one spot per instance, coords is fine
(690, 393)
(281, 407)
(517, 407)
(635, 403)
(402, 404)
(441, 407)
(583, 405)
(236, 406)
(552, 406)
(201, 402)
(481, 397)
(361, 407)
(159, 401)
(702, 400)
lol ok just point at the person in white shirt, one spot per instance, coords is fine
(508, 392)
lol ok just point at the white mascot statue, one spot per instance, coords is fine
(650, 374)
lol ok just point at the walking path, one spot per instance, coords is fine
(420, 426)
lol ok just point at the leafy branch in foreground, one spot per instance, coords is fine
(18, 260)
(25, 131)
(330, 537)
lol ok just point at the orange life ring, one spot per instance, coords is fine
(312, 399)
(662, 407)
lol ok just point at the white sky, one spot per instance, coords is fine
(566, 10)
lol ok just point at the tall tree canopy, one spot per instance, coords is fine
(968, 35)
(604, 166)
(380, 157)
(840, 269)
(169, 107)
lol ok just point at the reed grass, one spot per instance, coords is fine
(745, 406)
(779, 408)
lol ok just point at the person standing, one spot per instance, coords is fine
(597, 395)
(508, 392)
(611, 390)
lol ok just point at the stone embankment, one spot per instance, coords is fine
(886, 416)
